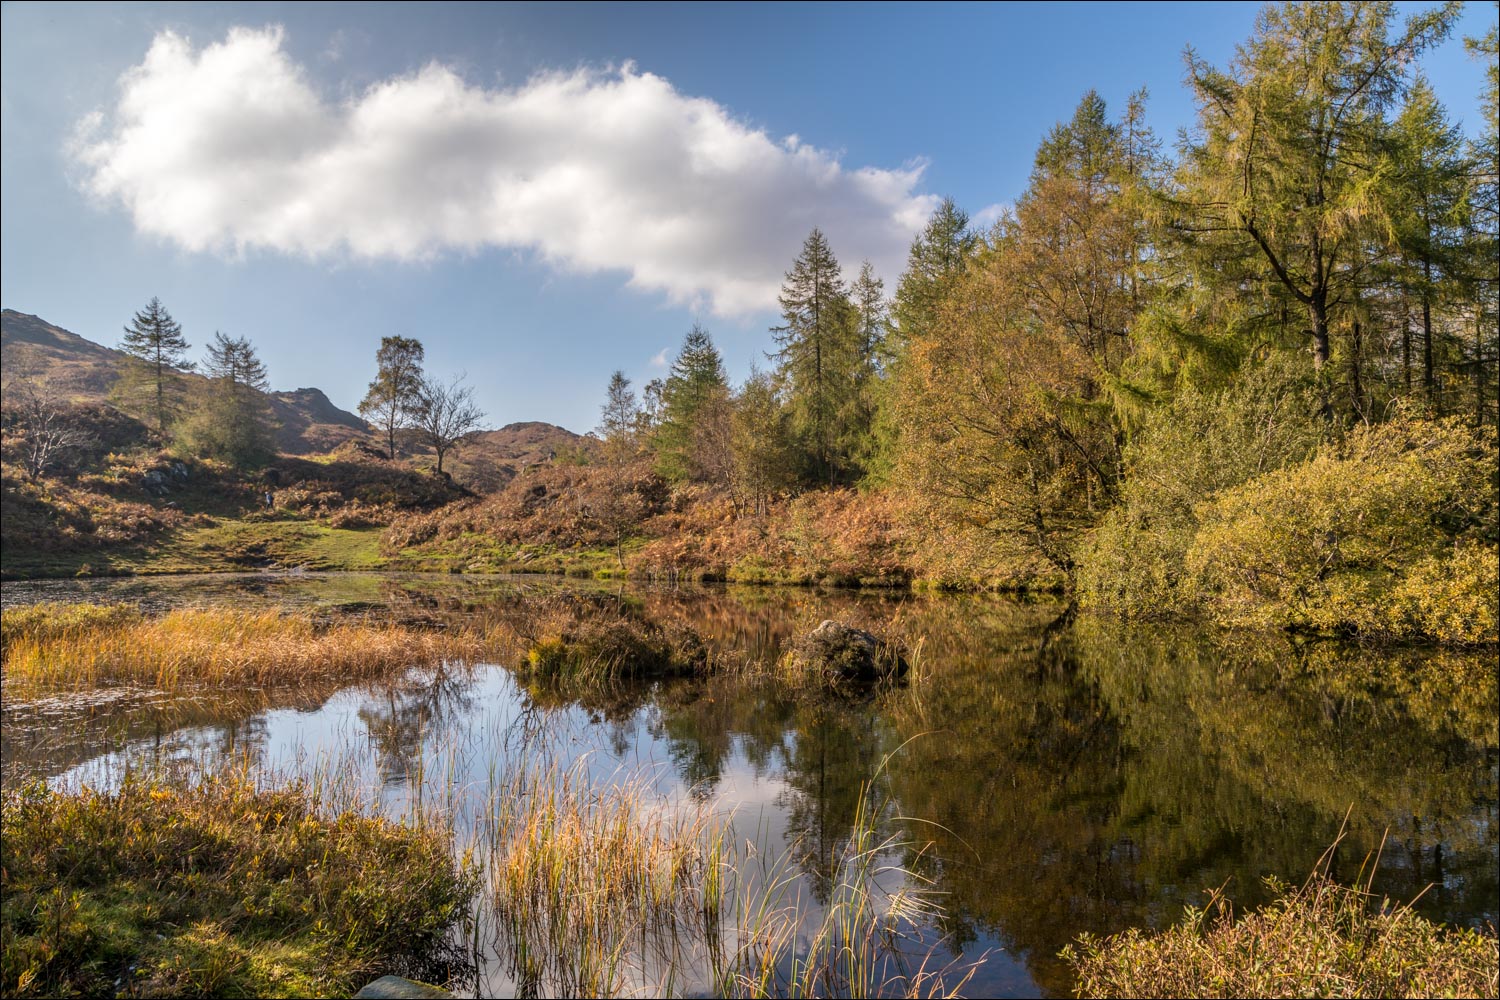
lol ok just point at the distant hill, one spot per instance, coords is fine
(490, 459)
(30, 347)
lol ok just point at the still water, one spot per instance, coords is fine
(1051, 774)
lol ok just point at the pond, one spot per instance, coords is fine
(1049, 774)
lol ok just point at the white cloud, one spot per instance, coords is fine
(659, 359)
(230, 149)
(986, 217)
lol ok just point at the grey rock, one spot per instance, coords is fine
(396, 988)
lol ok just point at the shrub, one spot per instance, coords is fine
(1320, 940)
(1349, 540)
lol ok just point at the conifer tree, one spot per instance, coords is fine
(154, 339)
(817, 354)
(232, 419)
(697, 377)
(619, 419)
(1280, 181)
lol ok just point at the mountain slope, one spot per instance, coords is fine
(32, 348)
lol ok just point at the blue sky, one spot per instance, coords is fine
(539, 193)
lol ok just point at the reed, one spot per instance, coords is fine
(222, 646)
(606, 889)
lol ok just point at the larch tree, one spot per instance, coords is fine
(696, 380)
(619, 419)
(395, 394)
(155, 341)
(1280, 180)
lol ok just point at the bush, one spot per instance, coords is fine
(1354, 539)
(1186, 453)
(1320, 940)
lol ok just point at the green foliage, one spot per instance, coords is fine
(1185, 453)
(231, 419)
(154, 340)
(696, 385)
(395, 395)
(1347, 540)
(221, 890)
(820, 360)
(1318, 940)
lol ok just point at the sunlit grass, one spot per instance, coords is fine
(217, 889)
(1321, 939)
(608, 889)
(55, 647)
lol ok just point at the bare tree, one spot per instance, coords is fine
(50, 424)
(445, 414)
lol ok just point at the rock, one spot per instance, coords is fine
(847, 654)
(396, 988)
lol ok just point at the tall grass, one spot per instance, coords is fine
(606, 889)
(54, 647)
(1319, 939)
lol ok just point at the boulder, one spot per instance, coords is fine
(396, 988)
(844, 654)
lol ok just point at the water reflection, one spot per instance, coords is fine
(1071, 775)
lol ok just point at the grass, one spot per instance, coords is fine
(1318, 940)
(575, 640)
(50, 647)
(604, 889)
(218, 890)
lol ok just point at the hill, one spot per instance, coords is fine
(30, 347)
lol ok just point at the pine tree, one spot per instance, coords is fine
(155, 340)
(697, 377)
(817, 353)
(395, 394)
(620, 418)
(232, 420)
(937, 257)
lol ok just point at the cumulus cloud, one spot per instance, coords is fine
(231, 148)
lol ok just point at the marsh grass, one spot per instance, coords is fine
(59, 647)
(218, 889)
(583, 640)
(607, 889)
(1321, 939)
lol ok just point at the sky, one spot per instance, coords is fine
(539, 193)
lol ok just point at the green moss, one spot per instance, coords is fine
(221, 890)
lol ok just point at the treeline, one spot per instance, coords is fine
(1256, 377)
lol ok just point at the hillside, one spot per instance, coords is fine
(30, 347)
(491, 459)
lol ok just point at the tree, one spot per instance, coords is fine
(697, 377)
(938, 255)
(1428, 204)
(763, 452)
(154, 339)
(619, 419)
(232, 419)
(1484, 230)
(1281, 179)
(395, 394)
(49, 424)
(817, 353)
(444, 414)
